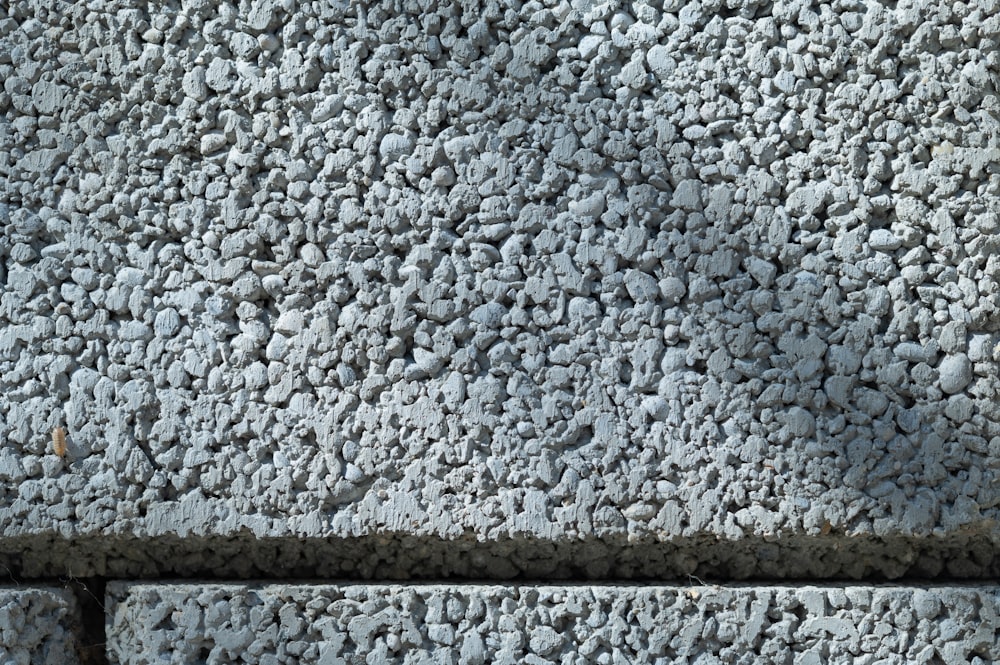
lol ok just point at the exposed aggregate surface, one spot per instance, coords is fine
(473, 624)
(563, 270)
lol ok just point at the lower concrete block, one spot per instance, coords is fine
(38, 626)
(326, 624)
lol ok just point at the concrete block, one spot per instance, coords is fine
(410, 280)
(521, 623)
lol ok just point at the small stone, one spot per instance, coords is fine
(839, 389)
(212, 142)
(634, 74)
(167, 323)
(47, 96)
(641, 286)
(843, 360)
(441, 633)
(660, 61)
(312, 255)
(545, 640)
(453, 391)
(955, 373)
(981, 346)
(488, 315)
(243, 46)
(394, 146)
(268, 43)
(427, 360)
(640, 511)
(590, 207)
(674, 358)
(673, 289)
(960, 408)
(11, 469)
(193, 84)
(473, 649)
(589, 44)
(255, 376)
(883, 240)
(261, 15)
(872, 402)
(220, 75)
(852, 21)
(687, 196)
(84, 380)
(800, 422)
(353, 474)
(656, 407)
(134, 330)
(443, 176)
(130, 277)
(761, 270)
(913, 352)
(290, 322)
(953, 337)
(926, 603)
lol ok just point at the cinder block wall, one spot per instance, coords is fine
(491, 290)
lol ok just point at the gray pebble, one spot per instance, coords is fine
(167, 322)
(883, 240)
(641, 287)
(955, 372)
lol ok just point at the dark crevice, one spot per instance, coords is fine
(91, 635)
(402, 558)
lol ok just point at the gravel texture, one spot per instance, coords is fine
(568, 271)
(472, 624)
(37, 626)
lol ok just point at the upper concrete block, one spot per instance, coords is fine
(498, 272)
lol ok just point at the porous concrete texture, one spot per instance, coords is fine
(239, 623)
(38, 626)
(560, 272)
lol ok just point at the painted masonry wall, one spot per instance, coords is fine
(541, 290)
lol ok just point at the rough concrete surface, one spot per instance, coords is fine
(37, 626)
(240, 623)
(562, 271)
